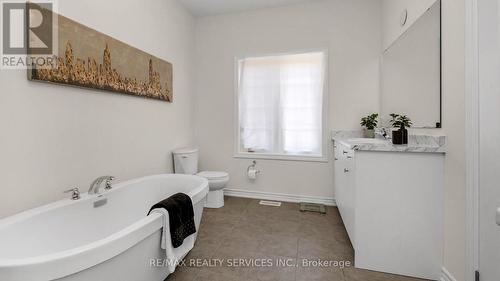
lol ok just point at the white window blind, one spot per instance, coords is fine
(280, 104)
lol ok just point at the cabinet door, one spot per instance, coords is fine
(349, 198)
(339, 184)
(344, 187)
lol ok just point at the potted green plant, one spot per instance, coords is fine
(401, 122)
(370, 123)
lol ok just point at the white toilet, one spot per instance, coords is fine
(186, 162)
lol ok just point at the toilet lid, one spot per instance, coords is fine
(185, 150)
(212, 174)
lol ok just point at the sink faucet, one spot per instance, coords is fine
(95, 187)
(383, 132)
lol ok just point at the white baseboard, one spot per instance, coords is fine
(446, 275)
(279, 196)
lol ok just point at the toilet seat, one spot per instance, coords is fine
(216, 180)
(213, 175)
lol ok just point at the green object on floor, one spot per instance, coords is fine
(311, 207)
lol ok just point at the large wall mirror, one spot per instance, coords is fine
(411, 72)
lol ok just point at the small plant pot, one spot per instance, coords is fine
(369, 133)
(400, 136)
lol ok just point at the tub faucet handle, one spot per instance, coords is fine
(108, 182)
(96, 184)
(75, 193)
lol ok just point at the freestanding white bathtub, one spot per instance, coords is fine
(73, 240)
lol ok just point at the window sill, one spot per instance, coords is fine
(301, 158)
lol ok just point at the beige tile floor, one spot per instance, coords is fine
(243, 229)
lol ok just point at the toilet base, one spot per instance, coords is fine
(215, 199)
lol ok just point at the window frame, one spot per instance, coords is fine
(324, 156)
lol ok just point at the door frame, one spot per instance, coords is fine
(472, 126)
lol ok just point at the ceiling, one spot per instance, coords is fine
(213, 7)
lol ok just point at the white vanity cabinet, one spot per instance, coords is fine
(391, 203)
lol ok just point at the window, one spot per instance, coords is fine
(280, 106)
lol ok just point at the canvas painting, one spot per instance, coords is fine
(88, 58)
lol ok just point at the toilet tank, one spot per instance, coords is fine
(186, 161)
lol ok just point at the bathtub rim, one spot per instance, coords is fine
(7, 221)
(97, 251)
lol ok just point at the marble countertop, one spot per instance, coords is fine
(416, 143)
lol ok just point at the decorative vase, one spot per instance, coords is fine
(400, 136)
(369, 133)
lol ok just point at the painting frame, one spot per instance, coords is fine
(77, 63)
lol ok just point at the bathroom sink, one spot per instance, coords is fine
(366, 141)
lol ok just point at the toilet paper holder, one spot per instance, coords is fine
(252, 167)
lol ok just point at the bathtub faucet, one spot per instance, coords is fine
(95, 187)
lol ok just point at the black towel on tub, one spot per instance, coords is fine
(181, 217)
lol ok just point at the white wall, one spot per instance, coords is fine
(351, 32)
(453, 32)
(55, 137)
(391, 13)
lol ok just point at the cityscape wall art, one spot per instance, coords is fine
(88, 58)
